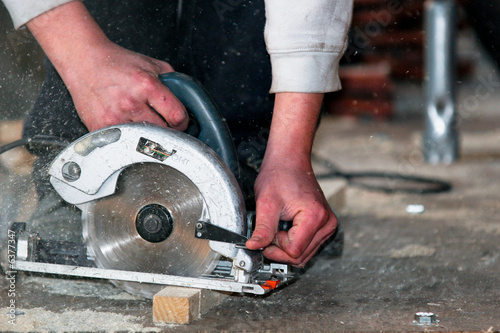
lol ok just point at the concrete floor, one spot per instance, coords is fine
(445, 260)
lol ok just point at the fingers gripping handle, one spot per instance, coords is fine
(252, 223)
(213, 129)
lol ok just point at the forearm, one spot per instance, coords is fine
(292, 131)
(286, 188)
(23, 11)
(108, 84)
(66, 34)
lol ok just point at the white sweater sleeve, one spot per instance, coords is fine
(305, 40)
(22, 11)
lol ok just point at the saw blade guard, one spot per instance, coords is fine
(88, 169)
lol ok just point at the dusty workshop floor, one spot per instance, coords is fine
(445, 260)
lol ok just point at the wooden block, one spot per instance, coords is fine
(179, 305)
(378, 109)
(335, 192)
(383, 14)
(10, 131)
(399, 38)
(366, 90)
(19, 160)
(176, 305)
(366, 81)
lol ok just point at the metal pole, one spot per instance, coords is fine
(441, 143)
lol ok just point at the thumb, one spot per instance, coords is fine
(166, 104)
(164, 67)
(266, 226)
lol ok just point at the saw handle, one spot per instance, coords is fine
(213, 128)
(251, 222)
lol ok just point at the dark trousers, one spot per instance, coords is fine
(220, 43)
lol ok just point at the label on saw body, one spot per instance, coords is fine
(153, 149)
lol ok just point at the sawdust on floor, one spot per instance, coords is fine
(42, 320)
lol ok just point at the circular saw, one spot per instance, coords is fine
(160, 206)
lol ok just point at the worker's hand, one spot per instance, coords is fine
(286, 187)
(118, 86)
(290, 193)
(109, 84)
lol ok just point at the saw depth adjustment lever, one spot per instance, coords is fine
(207, 230)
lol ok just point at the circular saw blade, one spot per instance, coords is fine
(112, 235)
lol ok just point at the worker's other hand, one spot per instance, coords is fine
(117, 86)
(290, 193)
(286, 187)
(109, 84)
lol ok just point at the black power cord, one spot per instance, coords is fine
(12, 145)
(388, 182)
(391, 182)
(36, 142)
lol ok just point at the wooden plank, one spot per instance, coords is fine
(383, 14)
(335, 192)
(179, 305)
(176, 305)
(18, 161)
(369, 81)
(10, 130)
(360, 107)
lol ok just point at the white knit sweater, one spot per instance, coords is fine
(305, 39)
